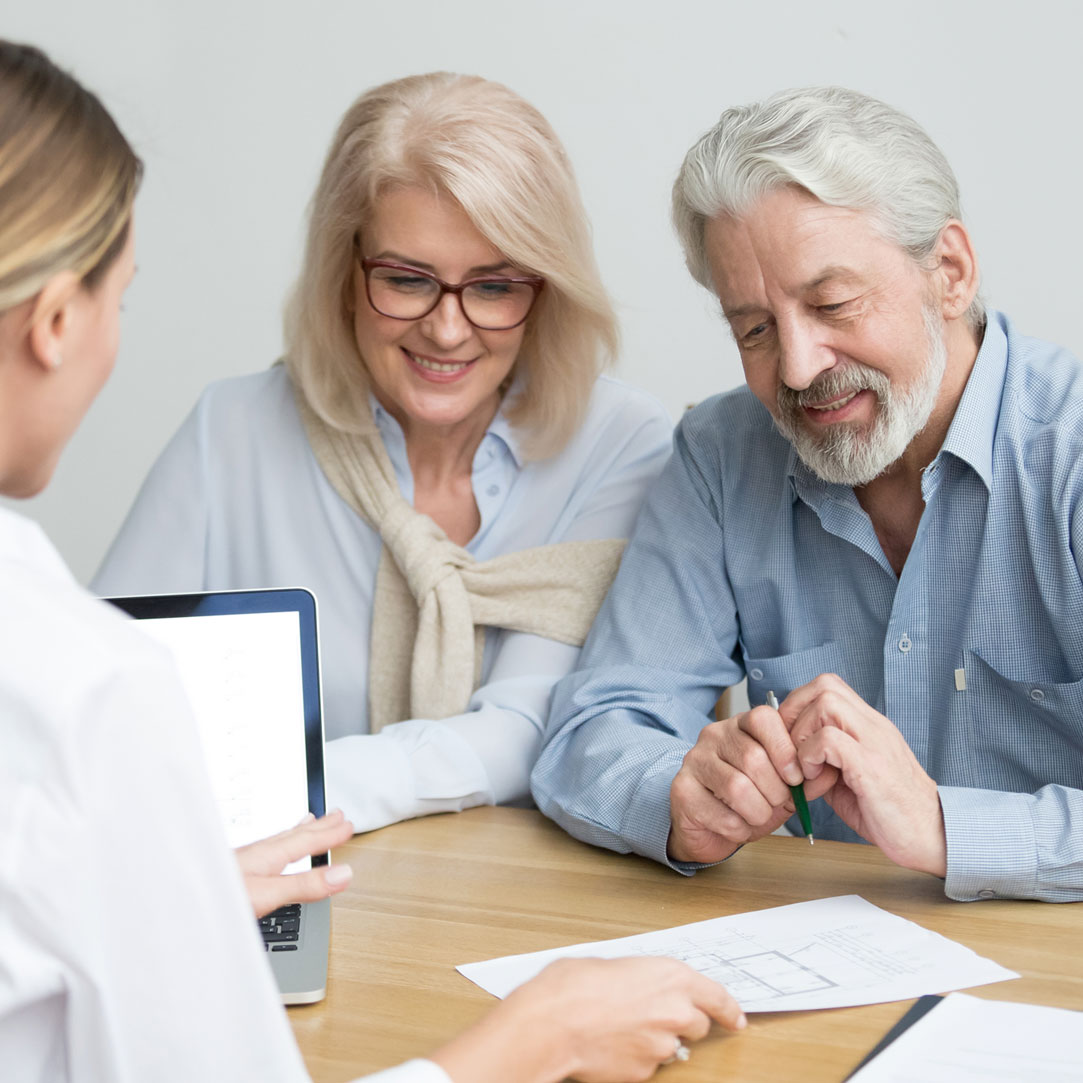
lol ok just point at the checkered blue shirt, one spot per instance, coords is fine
(745, 563)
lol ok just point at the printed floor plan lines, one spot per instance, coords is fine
(753, 977)
(828, 953)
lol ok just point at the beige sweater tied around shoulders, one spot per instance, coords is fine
(433, 600)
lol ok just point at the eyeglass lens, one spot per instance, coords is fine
(491, 304)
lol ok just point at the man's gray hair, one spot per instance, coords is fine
(843, 147)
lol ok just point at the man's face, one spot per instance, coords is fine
(839, 331)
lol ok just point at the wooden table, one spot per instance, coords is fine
(432, 893)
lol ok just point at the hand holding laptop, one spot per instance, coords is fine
(249, 662)
(262, 863)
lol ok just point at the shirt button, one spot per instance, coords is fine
(905, 644)
(493, 490)
(986, 893)
(756, 674)
(1037, 695)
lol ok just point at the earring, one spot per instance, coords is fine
(57, 360)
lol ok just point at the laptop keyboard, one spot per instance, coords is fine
(281, 929)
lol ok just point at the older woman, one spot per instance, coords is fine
(109, 839)
(439, 459)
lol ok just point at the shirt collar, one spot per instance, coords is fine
(974, 426)
(500, 429)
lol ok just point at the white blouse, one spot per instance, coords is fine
(128, 951)
(238, 500)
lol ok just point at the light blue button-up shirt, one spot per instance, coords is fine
(744, 563)
(237, 499)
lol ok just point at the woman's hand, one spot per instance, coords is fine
(262, 864)
(596, 1020)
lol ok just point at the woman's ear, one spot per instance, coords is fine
(50, 319)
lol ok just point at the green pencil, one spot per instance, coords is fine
(798, 791)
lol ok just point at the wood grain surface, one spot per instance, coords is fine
(433, 893)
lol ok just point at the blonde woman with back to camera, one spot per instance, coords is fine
(110, 840)
(439, 459)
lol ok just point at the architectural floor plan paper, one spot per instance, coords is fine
(829, 953)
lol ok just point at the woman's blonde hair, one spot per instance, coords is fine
(68, 177)
(495, 155)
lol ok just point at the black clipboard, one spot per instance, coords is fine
(921, 1006)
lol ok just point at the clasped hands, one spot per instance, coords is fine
(733, 786)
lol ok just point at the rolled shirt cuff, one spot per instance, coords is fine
(407, 770)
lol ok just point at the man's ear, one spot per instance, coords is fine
(957, 268)
(51, 317)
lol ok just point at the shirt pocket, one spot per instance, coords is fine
(1025, 731)
(786, 672)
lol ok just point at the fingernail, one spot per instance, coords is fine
(338, 874)
(307, 818)
(794, 775)
(742, 1021)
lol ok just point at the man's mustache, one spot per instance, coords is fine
(854, 377)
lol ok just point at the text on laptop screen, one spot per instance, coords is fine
(242, 672)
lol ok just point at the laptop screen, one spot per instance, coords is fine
(248, 662)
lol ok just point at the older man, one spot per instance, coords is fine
(885, 528)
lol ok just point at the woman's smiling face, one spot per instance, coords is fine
(439, 372)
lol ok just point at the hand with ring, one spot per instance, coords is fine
(594, 1020)
(681, 1053)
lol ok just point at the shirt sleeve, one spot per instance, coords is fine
(178, 985)
(484, 755)
(413, 1071)
(1004, 845)
(662, 649)
(1013, 845)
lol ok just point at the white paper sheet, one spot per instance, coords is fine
(970, 1040)
(828, 953)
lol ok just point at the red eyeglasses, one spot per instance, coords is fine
(490, 303)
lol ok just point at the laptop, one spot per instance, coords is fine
(250, 664)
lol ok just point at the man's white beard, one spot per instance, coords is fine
(850, 454)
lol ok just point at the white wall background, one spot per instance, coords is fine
(231, 104)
